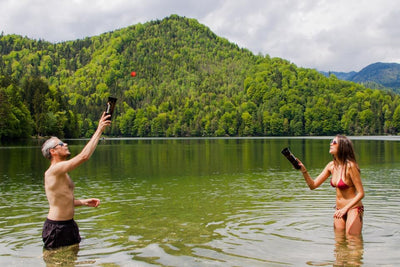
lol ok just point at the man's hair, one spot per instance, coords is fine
(49, 144)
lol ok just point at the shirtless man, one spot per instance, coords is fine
(60, 228)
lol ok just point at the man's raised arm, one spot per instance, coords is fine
(88, 150)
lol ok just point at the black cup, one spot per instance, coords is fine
(110, 106)
(286, 152)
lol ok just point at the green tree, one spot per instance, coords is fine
(16, 121)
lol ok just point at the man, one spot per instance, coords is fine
(60, 228)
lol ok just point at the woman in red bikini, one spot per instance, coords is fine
(347, 181)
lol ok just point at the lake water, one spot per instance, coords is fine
(202, 202)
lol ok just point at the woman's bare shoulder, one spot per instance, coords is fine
(351, 165)
(329, 167)
(330, 164)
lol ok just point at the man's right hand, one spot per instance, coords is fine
(104, 121)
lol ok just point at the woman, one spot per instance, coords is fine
(347, 181)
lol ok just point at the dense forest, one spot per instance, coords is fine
(189, 82)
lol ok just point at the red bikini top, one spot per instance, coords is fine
(340, 185)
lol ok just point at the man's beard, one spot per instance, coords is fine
(67, 155)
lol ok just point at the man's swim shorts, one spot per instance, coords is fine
(57, 234)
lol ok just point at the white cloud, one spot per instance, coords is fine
(340, 35)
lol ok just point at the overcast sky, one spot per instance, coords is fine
(335, 35)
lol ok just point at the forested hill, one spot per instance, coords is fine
(189, 82)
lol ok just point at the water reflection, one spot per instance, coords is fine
(348, 250)
(64, 256)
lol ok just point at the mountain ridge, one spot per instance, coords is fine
(379, 75)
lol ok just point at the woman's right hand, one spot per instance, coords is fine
(302, 167)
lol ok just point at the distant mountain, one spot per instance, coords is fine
(377, 75)
(340, 75)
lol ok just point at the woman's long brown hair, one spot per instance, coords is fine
(345, 151)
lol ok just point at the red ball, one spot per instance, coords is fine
(133, 73)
